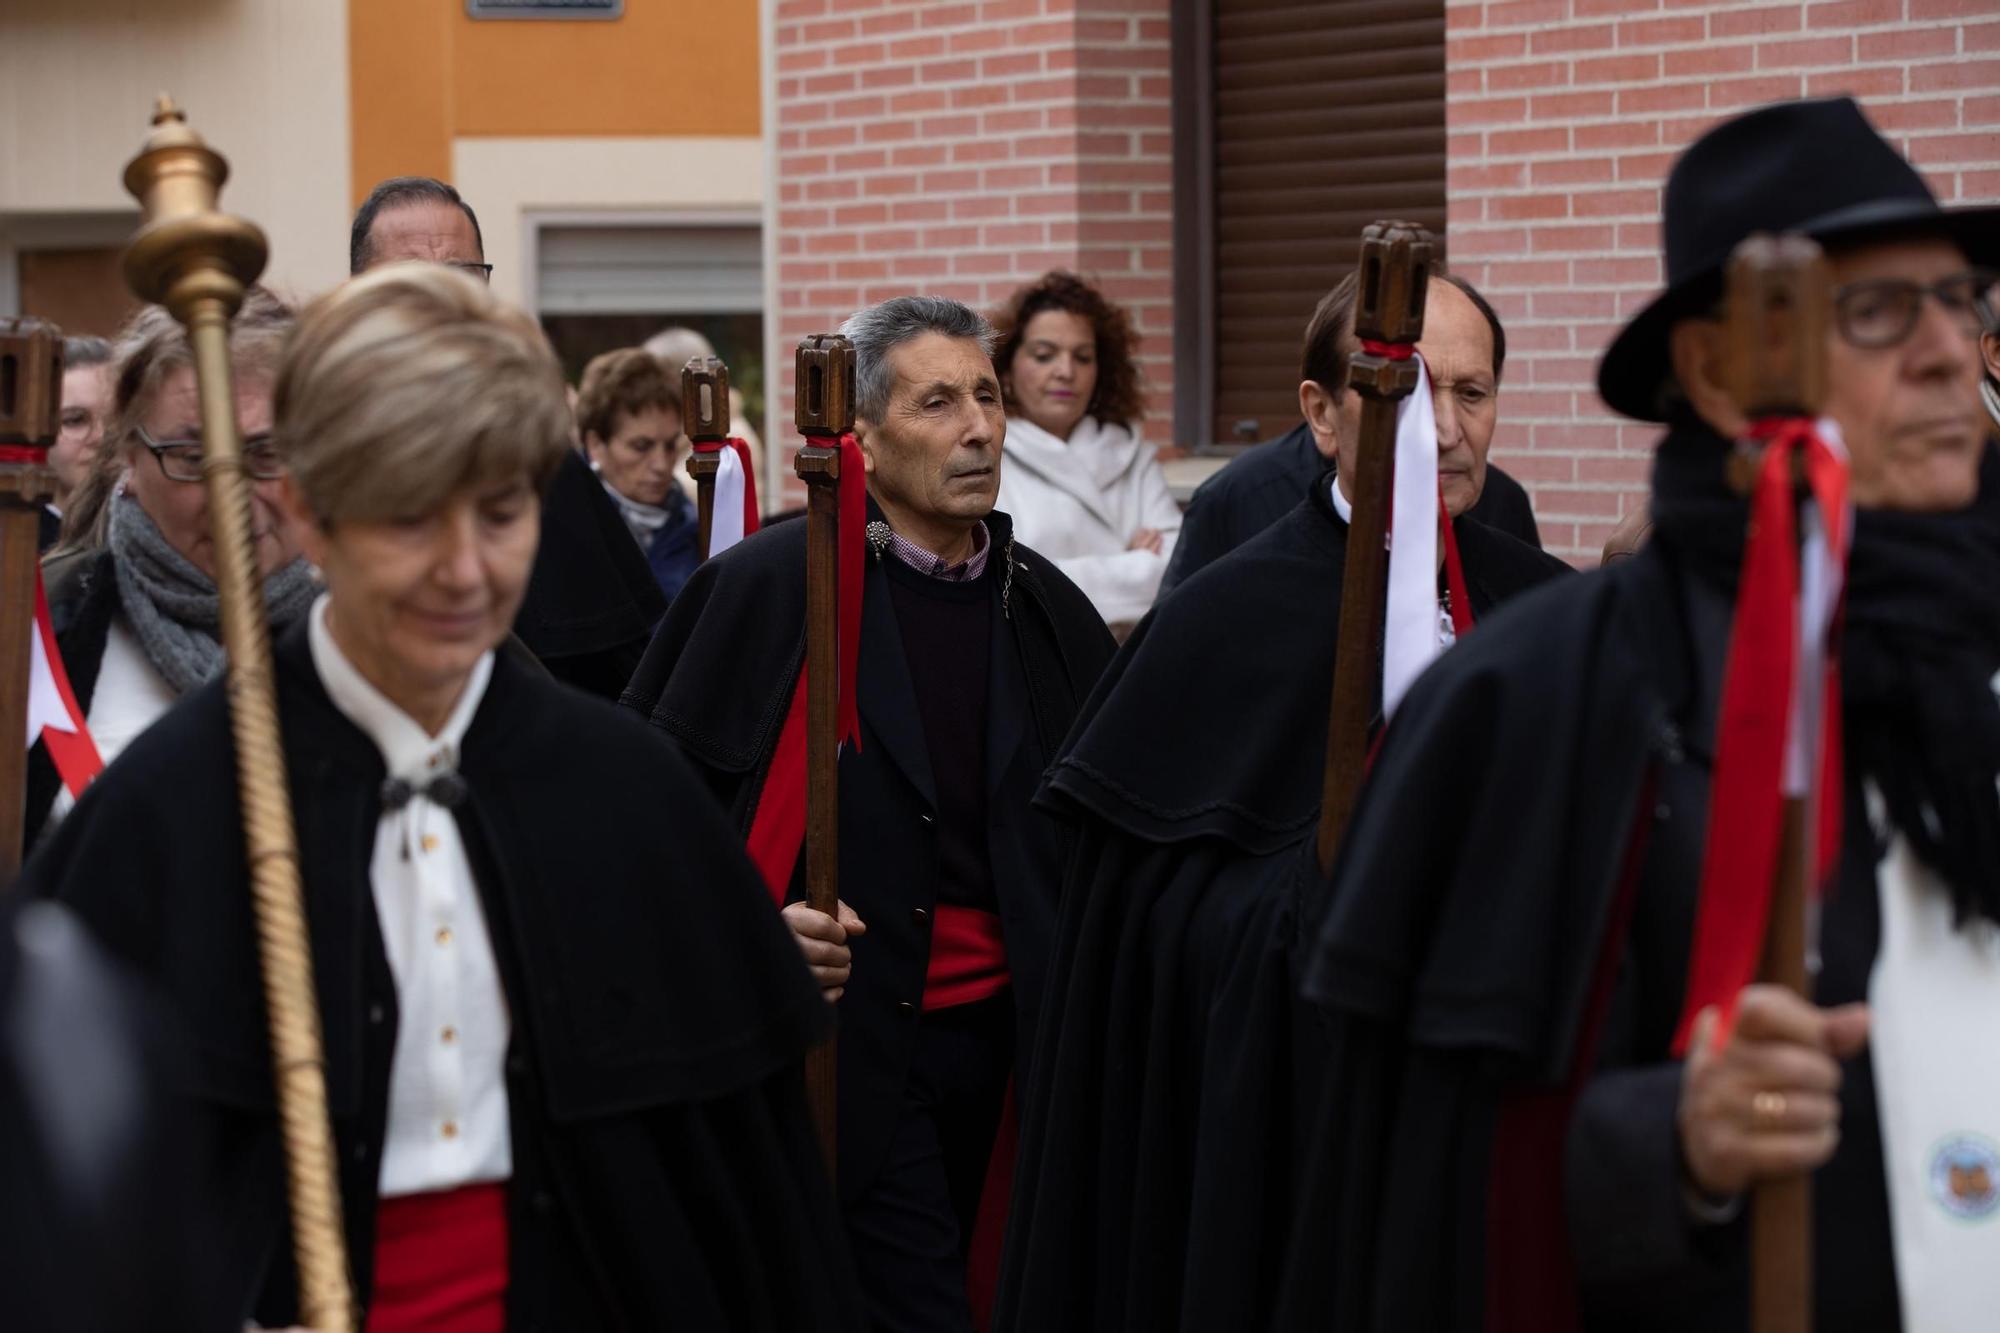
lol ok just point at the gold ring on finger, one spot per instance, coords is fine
(1768, 1107)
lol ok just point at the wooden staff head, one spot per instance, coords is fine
(187, 253)
(823, 385)
(705, 399)
(1778, 307)
(31, 371)
(1392, 281)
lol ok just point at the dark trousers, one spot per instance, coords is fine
(909, 1232)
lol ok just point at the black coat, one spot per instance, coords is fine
(1160, 1135)
(592, 600)
(1260, 486)
(719, 678)
(665, 1172)
(1499, 1001)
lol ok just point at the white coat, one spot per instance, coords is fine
(1078, 503)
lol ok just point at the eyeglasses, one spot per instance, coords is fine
(180, 460)
(483, 272)
(1882, 312)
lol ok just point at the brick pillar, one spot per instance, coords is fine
(1563, 119)
(962, 149)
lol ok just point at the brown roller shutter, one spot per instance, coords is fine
(1327, 115)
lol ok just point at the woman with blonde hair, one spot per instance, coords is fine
(565, 1029)
(132, 588)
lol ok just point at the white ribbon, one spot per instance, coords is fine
(726, 527)
(1819, 594)
(1410, 629)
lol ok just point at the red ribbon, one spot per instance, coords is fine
(778, 829)
(1454, 570)
(1393, 351)
(1747, 795)
(74, 753)
(22, 453)
(742, 451)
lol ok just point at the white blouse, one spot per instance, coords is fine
(130, 696)
(448, 1116)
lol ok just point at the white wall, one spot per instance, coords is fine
(265, 81)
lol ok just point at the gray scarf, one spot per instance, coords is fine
(173, 607)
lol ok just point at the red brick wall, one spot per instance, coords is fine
(1564, 115)
(960, 149)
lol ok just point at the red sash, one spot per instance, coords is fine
(441, 1262)
(968, 958)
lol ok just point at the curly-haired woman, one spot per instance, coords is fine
(1079, 483)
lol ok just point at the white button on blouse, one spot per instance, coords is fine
(448, 1117)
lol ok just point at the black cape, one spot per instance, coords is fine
(592, 599)
(665, 1170)
(1159, 1134)
(719, 678)
(1496, 1146)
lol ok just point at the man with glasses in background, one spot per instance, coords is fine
(592, 602)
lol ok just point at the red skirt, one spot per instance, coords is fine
(441, 1262)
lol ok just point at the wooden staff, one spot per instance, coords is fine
(1779, 309)
(1394, 279)
(705, 408)
(824, 387)
(195, 261)
(31, 372)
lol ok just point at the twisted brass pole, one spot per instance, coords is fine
(195, 260)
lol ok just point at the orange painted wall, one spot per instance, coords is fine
(422, 73)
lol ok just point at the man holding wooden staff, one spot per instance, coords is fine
(973, 655)
(1562, 1097)
(1156, 1136)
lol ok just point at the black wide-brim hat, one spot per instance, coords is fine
(1814, 167)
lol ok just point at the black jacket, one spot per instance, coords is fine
(718, 679)
(1172, 1090)
(665, 1173)
(592, 601)
(1260, 486)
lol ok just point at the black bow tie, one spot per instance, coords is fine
(446, 789)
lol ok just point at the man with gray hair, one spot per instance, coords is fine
(975, 655)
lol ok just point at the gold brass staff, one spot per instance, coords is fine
(705, 408)
(1779, 308)
(196, 260)
(824, 384)
(1394, 279)
(30, 414)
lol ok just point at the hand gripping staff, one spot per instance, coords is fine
(1394, 279)
(1774, 804)
(195, 260)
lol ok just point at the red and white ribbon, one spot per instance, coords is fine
(735, 513)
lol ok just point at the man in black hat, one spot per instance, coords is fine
(1510, 1140)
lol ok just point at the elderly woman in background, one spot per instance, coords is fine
(628, 414)
(566, 1092)
(1080, 485)
(132, 592)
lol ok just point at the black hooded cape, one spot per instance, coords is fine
(1496, 1145)
(1160, 1134)
(666, 1173)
